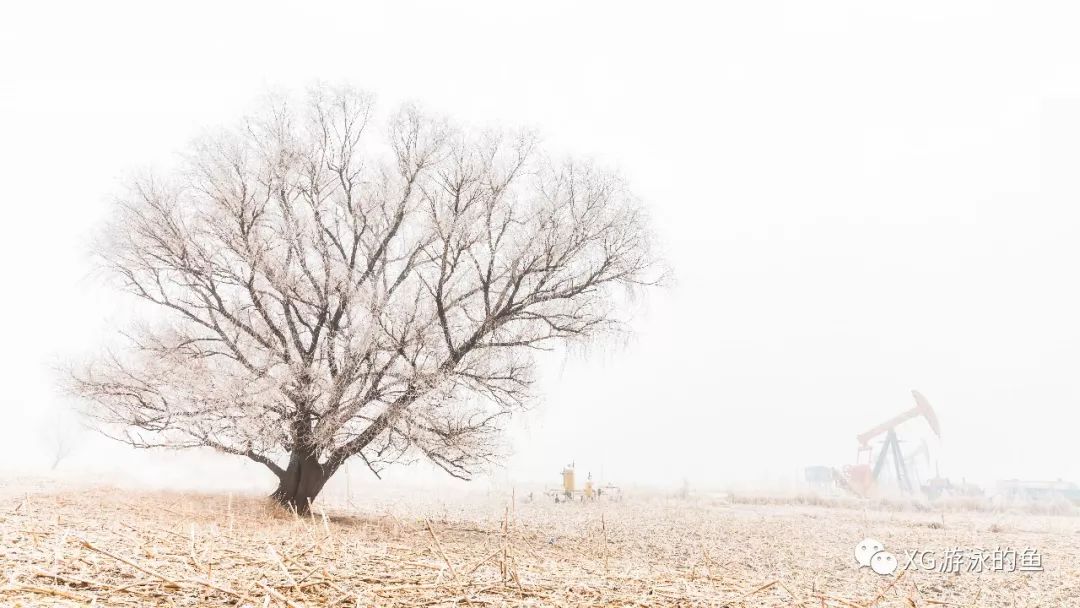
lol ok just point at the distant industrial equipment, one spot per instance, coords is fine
(940, 487)
(886, 462)
(873, 463)
(820, 477)
(864, 476)
(589, 491)
(911, 461)
(1039, 491)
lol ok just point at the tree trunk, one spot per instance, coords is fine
(300, 483)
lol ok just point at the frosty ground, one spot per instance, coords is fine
(103, 546)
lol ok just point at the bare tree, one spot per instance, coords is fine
(334, 294)
(61, 445)
(59, 436)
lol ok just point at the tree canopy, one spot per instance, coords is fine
(333, 288)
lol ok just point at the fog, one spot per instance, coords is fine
(857, 200)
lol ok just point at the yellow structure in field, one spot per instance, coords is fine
(590, 491)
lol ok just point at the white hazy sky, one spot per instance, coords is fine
(857, 199)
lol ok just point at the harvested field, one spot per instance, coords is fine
(99, 546)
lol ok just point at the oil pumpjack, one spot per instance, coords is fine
(863, 476)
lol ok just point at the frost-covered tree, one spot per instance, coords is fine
(333, 290)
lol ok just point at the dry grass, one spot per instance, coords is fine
(100, 546)
(951, 504)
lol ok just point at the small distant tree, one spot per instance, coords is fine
(330, 293)
(684, 489)
(59, 436)
(61, 446)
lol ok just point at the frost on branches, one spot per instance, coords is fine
(334, 289)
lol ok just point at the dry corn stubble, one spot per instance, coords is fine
(108, 548)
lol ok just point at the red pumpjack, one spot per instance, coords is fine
(862, 478)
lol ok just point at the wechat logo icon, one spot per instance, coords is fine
(871, 553)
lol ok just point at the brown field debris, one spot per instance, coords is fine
(104, 547)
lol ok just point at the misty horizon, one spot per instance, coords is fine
(843, 225)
